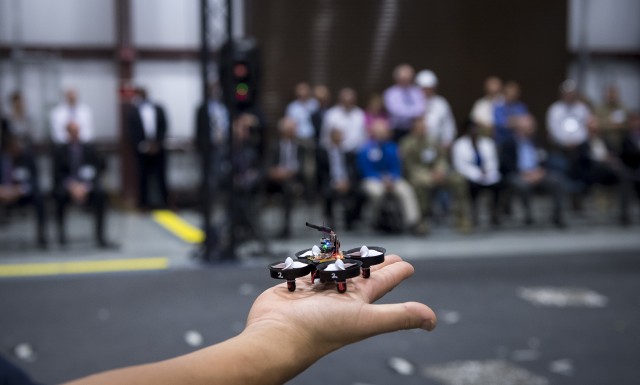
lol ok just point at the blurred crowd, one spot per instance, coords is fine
(407, 160)
(401, 164)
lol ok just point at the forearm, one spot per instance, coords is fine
(259, 355)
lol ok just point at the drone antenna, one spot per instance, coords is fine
(324, 229)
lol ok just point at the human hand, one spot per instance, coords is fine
(287, 332)
(533, 176)
(9, 194)
(78, 192)
(342, 186)
(321, 320)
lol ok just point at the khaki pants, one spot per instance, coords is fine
(455, 184)
(375, 191)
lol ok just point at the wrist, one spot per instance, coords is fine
(264, 353)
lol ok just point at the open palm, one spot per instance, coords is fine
(320, 316)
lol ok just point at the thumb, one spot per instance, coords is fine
(388, 318)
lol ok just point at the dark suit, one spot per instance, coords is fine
(21, 171)
(630, 156)
(608, 172)
(79, 163)
(288, 187)
(152, 168)
(352, 199)
(552, 183)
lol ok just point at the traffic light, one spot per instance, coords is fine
(239, 74)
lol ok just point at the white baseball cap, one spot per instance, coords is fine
(426, 79)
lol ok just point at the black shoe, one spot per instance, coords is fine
(284, 234)
(43, 244)
(559, 223)
(528, 221)
(106, 245)
(625, 221)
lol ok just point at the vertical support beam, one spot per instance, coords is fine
(206, 193)
(125, 56)
(233, 201)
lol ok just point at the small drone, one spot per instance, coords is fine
(327, 262)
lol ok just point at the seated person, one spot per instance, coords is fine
(476, 158)
(284, 170)
(381, 169)
(630, 154)
(19, 181)
(339, 180)
(427, 169)
(247, 178)
(77, 171)
(598, 165)
(524, 171)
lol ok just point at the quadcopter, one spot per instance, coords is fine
(327, 262)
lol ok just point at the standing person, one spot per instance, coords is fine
(612, 116)
(404, 101)
(524, 170)
(284, 170)
(476, 158)
(147, 133)
(567, 128)
(599, 165)
(340, 180)
(347, 117)
(301, 110)
(567, 118)
(381, 169)
(427, 168)
(218, 122)
(71, 112)
(19, 181)
(483, 110)
(506, 113)
(19, 122)
(323, 95)
(438, 118)
(77, 179)
(374, 111)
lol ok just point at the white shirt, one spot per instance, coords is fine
(567, 123)
(148, 116)
(482, 111)
(289, 155)
(350, 122)
(63, 114)
(337, 164)
(464, 160)
(219, 120)
(441, 126)
(301, 112)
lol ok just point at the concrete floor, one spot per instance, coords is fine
(516, 305)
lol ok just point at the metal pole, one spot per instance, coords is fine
(205, 156)
(231, 213)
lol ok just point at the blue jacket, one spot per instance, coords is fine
(376, 160)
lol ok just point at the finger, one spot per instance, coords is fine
(388, 259)
(378, 319)
(385, 279)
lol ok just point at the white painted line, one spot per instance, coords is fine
(494, 372)
(562, 297)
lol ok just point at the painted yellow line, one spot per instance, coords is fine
(83, 267)
(178, 226)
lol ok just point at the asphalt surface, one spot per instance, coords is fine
(488, 333)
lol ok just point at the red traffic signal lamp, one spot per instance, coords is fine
(239, 74)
